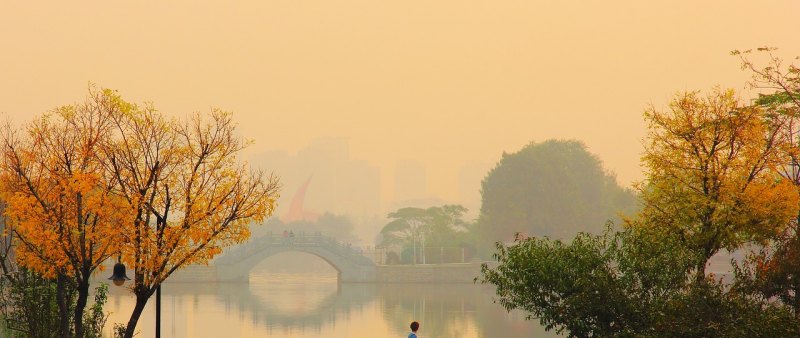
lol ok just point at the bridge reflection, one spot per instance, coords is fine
(262, 302)
(446, 310)
(324, 311)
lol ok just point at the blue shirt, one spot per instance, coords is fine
(412, 335)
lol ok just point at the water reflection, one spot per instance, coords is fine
(299, 304)
(451, 311)
(297, 300)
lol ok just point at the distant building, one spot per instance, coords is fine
(410, 181)
(328, 179)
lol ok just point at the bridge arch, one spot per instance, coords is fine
(350, 265)
(270, 255)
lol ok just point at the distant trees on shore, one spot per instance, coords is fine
(555, 188)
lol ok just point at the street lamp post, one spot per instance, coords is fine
(119, 277)
(158, 311)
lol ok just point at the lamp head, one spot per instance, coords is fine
(118, 275)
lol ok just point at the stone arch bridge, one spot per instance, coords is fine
(351, 265)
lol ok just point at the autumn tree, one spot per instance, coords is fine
(61, 207)
(711, 173)
(188, 194)
(8, 264)
(774, 271)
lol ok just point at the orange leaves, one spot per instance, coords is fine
(711, 166)
(189, 195)
(105, 177)
(775, 200)
(58, 199)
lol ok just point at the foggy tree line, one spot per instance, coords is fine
(555, 188)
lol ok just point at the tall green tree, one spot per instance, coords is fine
(446, 223)
(416, 228)
(555, 188)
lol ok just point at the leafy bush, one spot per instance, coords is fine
(28, 303)
(631, 283)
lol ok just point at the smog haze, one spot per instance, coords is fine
(446, 86)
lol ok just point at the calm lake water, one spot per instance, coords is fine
(290, 302)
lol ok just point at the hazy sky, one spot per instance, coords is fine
(442, 82)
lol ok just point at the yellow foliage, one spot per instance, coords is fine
(712, 169)
(106, 177)
(57, 200)
(190, 196)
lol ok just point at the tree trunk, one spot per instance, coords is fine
(708, 252)
(80, 305)
(700, 276)
(415, 252)
(793, 241)
(63, 307)
(796, 302)
(141, 301)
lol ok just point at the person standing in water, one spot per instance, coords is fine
(414, 328)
